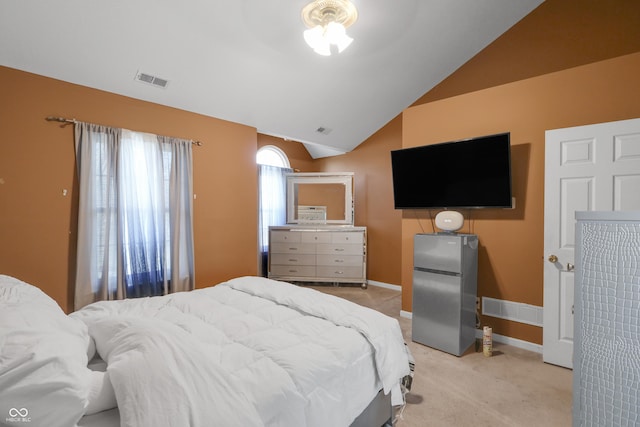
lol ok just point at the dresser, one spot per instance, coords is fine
(334, 254)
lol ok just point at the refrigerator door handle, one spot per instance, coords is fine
(430, 270)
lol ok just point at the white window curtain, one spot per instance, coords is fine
(273, 206)
(135, 227)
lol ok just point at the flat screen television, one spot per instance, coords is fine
(472, 173)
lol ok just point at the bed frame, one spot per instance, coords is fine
(378, 413)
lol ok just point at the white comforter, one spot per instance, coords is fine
(247, 352)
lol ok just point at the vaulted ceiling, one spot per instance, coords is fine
(246, 61)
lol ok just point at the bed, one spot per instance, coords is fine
(247, 352)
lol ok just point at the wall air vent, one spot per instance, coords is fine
(323, 130)
(152, 80)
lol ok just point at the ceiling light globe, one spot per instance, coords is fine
(335, 32)
(323, 49)
(314, 36)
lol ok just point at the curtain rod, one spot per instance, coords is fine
(66, 121)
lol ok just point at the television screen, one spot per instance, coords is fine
(473, 173)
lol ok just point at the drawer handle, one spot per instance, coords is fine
(338, 260)
(293, 260)
(339, 249)
(339, 272)
(293, 271)
(293, 249)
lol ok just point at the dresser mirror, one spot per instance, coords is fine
(320, 198)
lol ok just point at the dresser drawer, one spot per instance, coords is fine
(293, 270)
(340, 260)
(340, 249)
(283, 236)
(315, 237)
(339, 272)
(347, 237)
(293, 248)
(293, 259)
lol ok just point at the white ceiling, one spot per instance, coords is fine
(246, 61)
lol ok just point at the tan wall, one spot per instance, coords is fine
(37, 162)
(371, 163)
(511, 241)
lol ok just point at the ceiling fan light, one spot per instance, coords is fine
(327, 21)
(344, 43)
(323, 49)
(314, 36)
(335, 32)
(316, 39)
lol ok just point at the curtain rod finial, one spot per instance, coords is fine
(61, 120)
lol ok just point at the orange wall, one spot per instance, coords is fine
(511, 241)
(37, 162)
(371, 164)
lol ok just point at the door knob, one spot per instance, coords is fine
(570, 267)
(553, 258)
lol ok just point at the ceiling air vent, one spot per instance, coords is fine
(152, 80)
(323, 130)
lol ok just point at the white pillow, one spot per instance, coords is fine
(43, 358)
(14, 291)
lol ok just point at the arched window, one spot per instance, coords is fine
(272, 156)
(273, 164)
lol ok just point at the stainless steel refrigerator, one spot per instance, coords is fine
(445, 271)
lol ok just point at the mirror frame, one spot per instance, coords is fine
(345, 178)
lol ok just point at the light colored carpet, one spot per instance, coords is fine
(511, 388)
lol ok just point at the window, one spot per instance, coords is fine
(135, 233)
(144, 214)
(273, 164)
(272, 156)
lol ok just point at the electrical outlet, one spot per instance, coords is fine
(478, 303)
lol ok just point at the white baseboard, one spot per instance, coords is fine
(406, 314)
(515, 342)
(385, 285)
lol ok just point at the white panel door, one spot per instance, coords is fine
(587, 168)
